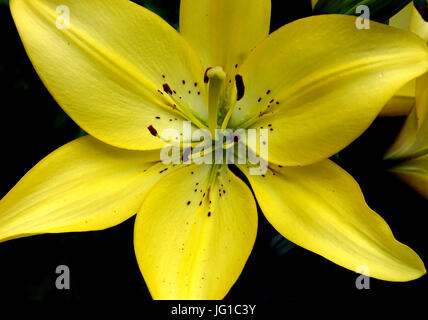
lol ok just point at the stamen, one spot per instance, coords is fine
(239, 87)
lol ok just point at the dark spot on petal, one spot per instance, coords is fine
(209, 213)
(268, 92)
(157, 118)
(260, 99)
(236, 66)
(196, 84)
(188, 202)
(186, 154)
(152, 130)
(163, 76)
(184, 82)
(271, 101)
(239, 87)
(167, 88)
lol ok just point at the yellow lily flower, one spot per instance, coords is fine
(124, 75)
(410, 148)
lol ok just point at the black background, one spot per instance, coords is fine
(102, 264)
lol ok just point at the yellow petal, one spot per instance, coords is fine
(222, 31)
(418, 24)
(321, 208)
(413, 137)
(84, 185)
(398, 106)
(402, 19)
(187, 247)
(106, 64)
(403, 101)
(321, 89)
(414, 172)
(314, 3)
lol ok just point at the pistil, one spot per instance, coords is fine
(216, 80)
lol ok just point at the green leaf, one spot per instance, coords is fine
(380, 10)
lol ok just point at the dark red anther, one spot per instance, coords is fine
(206, 79)
(239, 87)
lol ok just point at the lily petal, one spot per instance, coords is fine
(414, 172)
(84, 185)
(402, 102)
(413, 138)
(192, 236)
(108, 64)
(402, 18)
(398, 106)
(314, 3)
(321, 208)
(404, 99)
(321, 90)
(222, 31)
